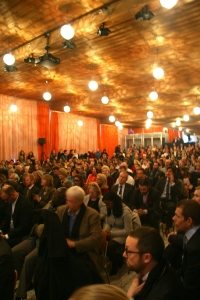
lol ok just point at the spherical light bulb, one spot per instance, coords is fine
(196, 110)
(67, 108)
(149, 114)
(153, 96)
(165, 129)
(93, 85)
(117, 123)
(80, 123)
(47, 96)
(9, 59)
(186, 118)
(105, 100)
(178, 122)
(67, 32)
(148, 123)
(180, 128)
(173, 124)
(158, 73)
(13, 108)
(112, 119)
(120, 127)
(187, 130)
(168, 3)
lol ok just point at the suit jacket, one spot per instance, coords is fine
(22, 221)
(152, 205)
(29, 194)
(128, 194)
(6, 271)
(176, 191)
(90, 235)
(161, 284)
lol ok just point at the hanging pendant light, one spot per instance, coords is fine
(168, 3)
(9, 59)
(158, 73)
(153, 96)
(67, 31)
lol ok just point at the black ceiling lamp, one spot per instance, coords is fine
(68, 44)
(8, 68)
(31, 59)
(145, 14)
(103, 31)
(48, 60)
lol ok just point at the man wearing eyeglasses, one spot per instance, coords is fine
(155, 280)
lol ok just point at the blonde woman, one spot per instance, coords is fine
(99, 292)
(102, 182)
(94, 199)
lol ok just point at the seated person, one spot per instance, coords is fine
(102, 182)
(94, 199)
(120, 220)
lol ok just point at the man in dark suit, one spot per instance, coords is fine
(124, 190)
(155, 280)
(18, 215)
(30, 189)
(185, 245)
(170, 190)
(146, 203)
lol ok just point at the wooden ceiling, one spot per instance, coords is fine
(121, 62)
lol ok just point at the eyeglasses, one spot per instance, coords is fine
(131, 252)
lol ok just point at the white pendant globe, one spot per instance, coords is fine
(80, 123)
(67, 32)
(187, 130)
(196, 110)
(149, 114)
(178, 122)
(153, 96)
(105, 100)
(186, 118)
(158, 73)
(173, 124)
(67, 108)
(168, 3)
(9, 59)
(47, 96)
(180, 128)
(120, 127)
(93, 85)
(13, 108)
(112, 119)
(117, 123)
(148, 123)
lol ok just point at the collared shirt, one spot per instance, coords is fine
(72, 219)
(191, 232)
(120, 191)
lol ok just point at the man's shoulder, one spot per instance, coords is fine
(91, 211)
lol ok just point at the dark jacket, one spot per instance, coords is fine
(128, 194)
(161, 284)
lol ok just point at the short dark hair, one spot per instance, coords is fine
(144, 182)
(149, 241)
(9, 189)
(190, 209)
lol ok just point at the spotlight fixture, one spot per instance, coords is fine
(67, 31)
(158, 73)
(168, 3)
(112, 119)
(149, 114)
(153, 96)
(105, 100)
(9, 59)
(186, 118)
(66, 108)
(80, 123)
(31, 59)
(93, 85)
(48, 60)
(13, 108)
(10, 68)
(47, 96)
(144, 14)
(68, 44)
(103, 31)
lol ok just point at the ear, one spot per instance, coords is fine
(189, 221)
(147, 257)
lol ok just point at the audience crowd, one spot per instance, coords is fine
(72, 220)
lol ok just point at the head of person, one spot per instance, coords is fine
(94, 171)
(113, 203)
(123, 176)
(47, 181)
(144, 186)
(187, 215)
(101, 180)
(170, 172)
(155, 165)
(9, 193)
(94, 190)
(196, 196)
(63, 173)
(14, 177)
(59, 197)
(123, 167)
(99, 292)
(140, 173)
(105, 170)
(28, 180)
(144, 249)
(75, 196)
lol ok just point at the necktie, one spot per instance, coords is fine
(168, 190)
(120, 191)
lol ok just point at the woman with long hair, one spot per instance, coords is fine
(47, 191)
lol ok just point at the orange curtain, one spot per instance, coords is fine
(172, 134)
(18, 130)
(43, 129)
(108, 138)
(54, 136)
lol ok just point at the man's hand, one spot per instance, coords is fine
(70, 243)
(135, 287)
